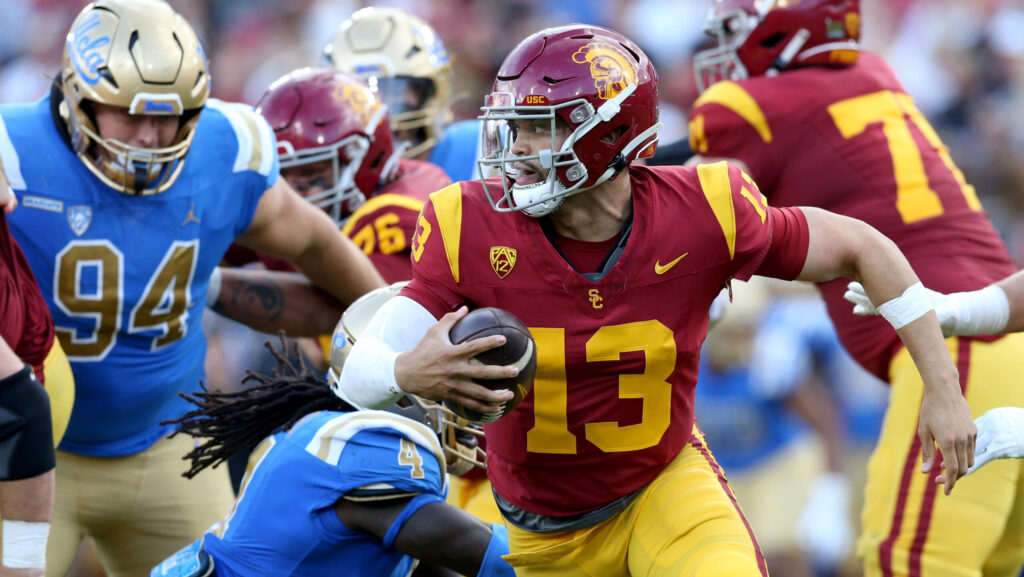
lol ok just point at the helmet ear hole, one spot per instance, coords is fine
(613, 135)
(772, 41)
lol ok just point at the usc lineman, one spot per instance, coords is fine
(820, 122)
(601, 471)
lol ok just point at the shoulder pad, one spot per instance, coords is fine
(256, 143)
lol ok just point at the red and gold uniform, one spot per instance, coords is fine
(852, 141)
(610, 416)
(383, 226)
(26, 325)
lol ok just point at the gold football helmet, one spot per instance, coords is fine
(142, 56)
(458, 436)
(402, 59)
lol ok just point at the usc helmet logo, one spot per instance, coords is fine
(610, 66)
(358, 99)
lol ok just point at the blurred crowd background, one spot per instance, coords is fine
(961, 60)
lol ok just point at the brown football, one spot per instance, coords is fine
(519, 349)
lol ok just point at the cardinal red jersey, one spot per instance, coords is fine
(612, 403)
(852, 141)
(383, 226)
(26, 324)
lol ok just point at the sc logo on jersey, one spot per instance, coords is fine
(610, 66)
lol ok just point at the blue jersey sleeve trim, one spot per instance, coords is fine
(494, 565)
(415, 504)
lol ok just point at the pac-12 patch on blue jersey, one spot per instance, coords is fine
(125, 276)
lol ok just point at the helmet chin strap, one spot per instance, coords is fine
(789, 52)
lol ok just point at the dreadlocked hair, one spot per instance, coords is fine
(231, 421)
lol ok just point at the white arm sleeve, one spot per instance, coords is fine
(368, 377)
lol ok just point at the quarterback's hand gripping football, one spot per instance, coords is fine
(863, 306)
(1000, 436)
(440, 371)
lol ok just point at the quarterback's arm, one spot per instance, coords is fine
(285, 226)
(845, 247)
(26, 502)
(404, 349)
(437, 533)
(269, 301)
(995, 309)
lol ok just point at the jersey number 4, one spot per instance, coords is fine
(164, 304)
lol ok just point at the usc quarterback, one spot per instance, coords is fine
(820, 122)
(601, 470)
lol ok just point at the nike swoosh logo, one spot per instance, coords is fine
(664, 268)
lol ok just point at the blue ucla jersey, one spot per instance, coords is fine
(126, 276)
(284, 522)
(743, 424)
(458, 150)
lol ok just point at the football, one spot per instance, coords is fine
(519, 350)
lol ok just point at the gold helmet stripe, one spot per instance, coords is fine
(9, 163)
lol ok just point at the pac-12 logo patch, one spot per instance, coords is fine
(79, 218)
(611, 67)
(503, 259)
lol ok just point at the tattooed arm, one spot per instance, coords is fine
(269, 301)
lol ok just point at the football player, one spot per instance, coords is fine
(995, 309)
(330, 488)
(788, 92)
(132, 185)
(32, 419)
(336, 150)
(405, 62)
(600, 471)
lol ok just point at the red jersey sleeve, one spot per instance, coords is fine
(728, 122)
(435, 258)
(26, 323)
(790, 239)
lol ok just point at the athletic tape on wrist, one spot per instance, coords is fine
(980, 312)
(913, 304)
(213, 289)
(25, 544)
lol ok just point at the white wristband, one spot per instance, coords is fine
(914, 303)
(25, 544)
(980, 312)
(213, 289)
(368, 377)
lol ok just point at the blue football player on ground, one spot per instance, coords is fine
(132, 184)
(332, 489)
